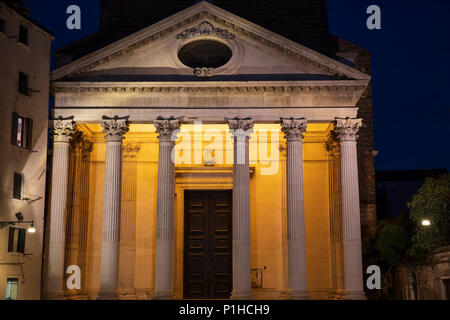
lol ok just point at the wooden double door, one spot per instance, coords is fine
(207, 244)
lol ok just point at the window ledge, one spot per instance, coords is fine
(15, 254)
(23, 94)
(20, 200)
(22, 148)
(26, 47)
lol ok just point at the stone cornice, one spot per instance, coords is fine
(209, 86)
(204, 10)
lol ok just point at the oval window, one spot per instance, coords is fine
(205, 54)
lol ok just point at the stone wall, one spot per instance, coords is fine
(428, 280)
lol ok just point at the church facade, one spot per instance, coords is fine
(205, 156)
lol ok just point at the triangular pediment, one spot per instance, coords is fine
(257, 53)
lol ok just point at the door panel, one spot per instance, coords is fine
(207, 245)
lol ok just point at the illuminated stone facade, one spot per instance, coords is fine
(270, 124)
(24, 91)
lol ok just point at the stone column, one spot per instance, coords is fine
(334, 162)
(87, 147)
(62, 130)
(347, 130)
(294, 129)
(165, 208)
(241, 129)
(128, 222)
(115, 129)
(72, 211)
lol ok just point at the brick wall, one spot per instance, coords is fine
(366, 157)
(303, 21)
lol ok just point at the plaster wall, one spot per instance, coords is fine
(268, 208)
(33, 60)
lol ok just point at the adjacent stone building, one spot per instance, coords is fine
(209, 151)
(24, 93)
(427, 280)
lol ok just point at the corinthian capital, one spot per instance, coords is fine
(115, 128)
(347, 129)
(167, 126)
(81, 144)
(240, 124)
(62, 129)
(293, 128)
(130, 150)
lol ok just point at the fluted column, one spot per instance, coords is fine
(335, 218)
(347, 130)
(241, 130)
(87, 148)
(115, 129)
(128, 222)
(294, 129)
(165, 208)
(62, 130)
(73, 206)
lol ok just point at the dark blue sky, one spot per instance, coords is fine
(410, 70)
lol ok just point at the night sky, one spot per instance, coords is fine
(410, 70)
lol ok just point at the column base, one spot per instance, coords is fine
(108, 295)
(337, 295)
(356, 295)
(144, 294)
(284, 295)
(83, 295)
(168, 295)
(297, 295)
(242, 295)
(127, 295)
(75, 295)
(58, 295)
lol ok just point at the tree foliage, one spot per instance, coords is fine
(393, 243)
(432, 202)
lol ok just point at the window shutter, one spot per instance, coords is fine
(21, 240)
(14, 128)
(29, 126)
(11, 239)
(17, 188)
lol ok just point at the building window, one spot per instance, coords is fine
(2, 25)
(23, 35)
(12, 288)
(205, 53)
(23, 84)
(16, 240)
(22, 131)
(18, 186)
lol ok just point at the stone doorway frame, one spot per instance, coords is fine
(194, 178)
